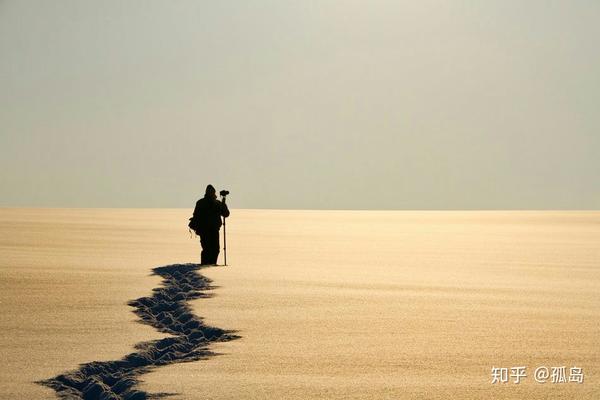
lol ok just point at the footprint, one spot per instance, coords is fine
(168, 311)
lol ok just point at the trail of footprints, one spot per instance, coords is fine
(167, 311)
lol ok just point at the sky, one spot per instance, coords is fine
(300, 104)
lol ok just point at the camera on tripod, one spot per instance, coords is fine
(224, 193)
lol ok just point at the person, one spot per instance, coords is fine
(208, 213)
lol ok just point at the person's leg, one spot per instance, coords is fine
(216, 247)
(205, 242)
(212, 246)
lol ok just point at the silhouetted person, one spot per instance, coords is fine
(208, 213)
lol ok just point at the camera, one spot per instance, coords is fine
(224, 193)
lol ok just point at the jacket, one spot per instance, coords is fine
(208, 213)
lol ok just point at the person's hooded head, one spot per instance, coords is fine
(210, 192)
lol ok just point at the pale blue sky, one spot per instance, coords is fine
(301, 104)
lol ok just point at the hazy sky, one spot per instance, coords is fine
(301, 104)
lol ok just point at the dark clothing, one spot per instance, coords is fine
(210, 247)
(208, 213)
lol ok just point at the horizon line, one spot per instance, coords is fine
(299, 209)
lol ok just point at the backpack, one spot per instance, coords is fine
(194, 225)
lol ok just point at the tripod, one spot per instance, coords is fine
(224, 237)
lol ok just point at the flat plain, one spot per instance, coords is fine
(326, 304)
